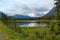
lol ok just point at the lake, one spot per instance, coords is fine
(31, 24)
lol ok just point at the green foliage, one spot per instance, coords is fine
(58, 37)
(4, 18)
(11, 34)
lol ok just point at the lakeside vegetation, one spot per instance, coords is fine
(51, 32)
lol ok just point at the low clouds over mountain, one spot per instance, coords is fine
(32, 8)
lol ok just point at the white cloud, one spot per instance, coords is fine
(26, 7)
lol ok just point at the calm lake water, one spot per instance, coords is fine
(31, 24)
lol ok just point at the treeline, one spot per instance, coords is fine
(49, 17)
(8, 21)
(58, 9)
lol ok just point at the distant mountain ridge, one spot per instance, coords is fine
(20, 16)
(52, 11)
(17, 16)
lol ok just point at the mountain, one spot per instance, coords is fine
(51, 12)
(17, 16)
(0, 13)
(20, 16)
(50, 15)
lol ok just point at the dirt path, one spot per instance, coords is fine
(3, 36)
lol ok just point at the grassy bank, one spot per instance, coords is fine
(11, 34)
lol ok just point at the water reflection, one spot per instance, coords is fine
(26, 24)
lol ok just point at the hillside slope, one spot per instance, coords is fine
(8, 33)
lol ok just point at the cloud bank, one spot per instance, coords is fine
(32, 8)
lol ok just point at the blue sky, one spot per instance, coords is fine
(31, 8)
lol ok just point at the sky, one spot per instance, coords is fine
(32, 8)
